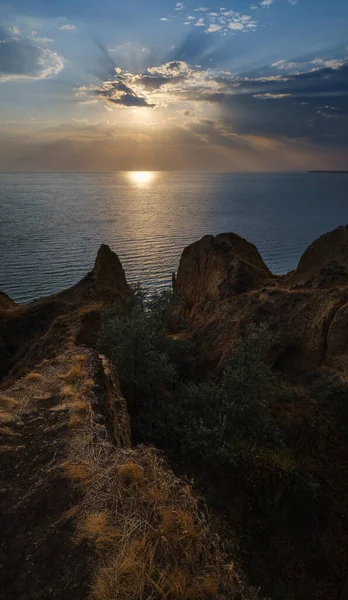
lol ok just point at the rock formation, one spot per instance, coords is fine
(48, 326)
(223, 284)
(83, 514)
(217, 267)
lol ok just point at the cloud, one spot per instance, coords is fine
(213, 27)
(68, 27)
(224, 21)
(269, 96)
(315, 64)
(266, 3)
(311, 105)
(22, 58)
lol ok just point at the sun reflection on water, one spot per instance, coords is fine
(142, 178)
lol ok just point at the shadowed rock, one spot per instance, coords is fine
(325, 262)
(218, 267)
(224, 284)
(41, 329)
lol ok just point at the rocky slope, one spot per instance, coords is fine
(46, 327)
(83, 514)
(224, 284)
(40, 418)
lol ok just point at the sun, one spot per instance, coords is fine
(141, 178)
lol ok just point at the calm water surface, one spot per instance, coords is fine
(51, 225)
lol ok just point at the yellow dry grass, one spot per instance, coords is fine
(75, 420)
(5, 416)
(87, 385)
(80, 357)
(75, 374)
(8, 403)
(79, 472)
(33, 377)
(97, 531)
(151, 537)
(79, 405)
(67, 391)
(130, 475)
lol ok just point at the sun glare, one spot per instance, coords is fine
(141, 178)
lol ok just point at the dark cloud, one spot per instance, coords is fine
(131, 100)
(311, 105)
(22, 58)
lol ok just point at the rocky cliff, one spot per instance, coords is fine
(48, 326)
(83, 513)
(223, 285)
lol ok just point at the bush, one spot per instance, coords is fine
(137, 341)
(219, 420)
(214, 420)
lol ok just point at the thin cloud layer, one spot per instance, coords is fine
(24, 58)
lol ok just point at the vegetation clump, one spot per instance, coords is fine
(215, 420)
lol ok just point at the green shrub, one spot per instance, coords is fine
(214, 420)
(219, 420)
(136, 340)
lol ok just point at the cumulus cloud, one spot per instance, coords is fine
(24, 58)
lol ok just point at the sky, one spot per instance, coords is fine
(160, 85)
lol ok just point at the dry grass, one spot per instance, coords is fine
(130, 475)
(43, 397)
(8, 403)
(8, 431)
(80, 357)
(150, 534)
(75, 374)
(35, 377)
(75, 420)
(79, 405)
(5, 416)
(96, 530)
(67, 391)
(80, 473)
(88, 385)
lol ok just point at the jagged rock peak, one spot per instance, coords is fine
(326, 259)
(219, 267)
(108, 269)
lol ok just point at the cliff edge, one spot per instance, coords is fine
(223, 284)
(43, 328)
